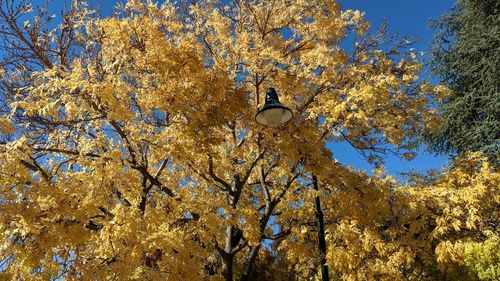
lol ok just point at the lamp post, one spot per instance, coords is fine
(321, 232)
(274, 114)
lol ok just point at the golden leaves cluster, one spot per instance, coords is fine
(133, 159)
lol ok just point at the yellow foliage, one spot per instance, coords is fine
(139, 158)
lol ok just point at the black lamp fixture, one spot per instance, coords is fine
(273, 113)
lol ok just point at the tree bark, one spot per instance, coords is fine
(227, 267)
(251, 259)
(227, 256)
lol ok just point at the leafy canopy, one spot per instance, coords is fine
(466, 57)
(129, 148)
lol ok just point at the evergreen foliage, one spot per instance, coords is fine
(466, 57)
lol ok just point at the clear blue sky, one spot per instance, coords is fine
(404, 17)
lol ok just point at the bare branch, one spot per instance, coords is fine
(226, 186)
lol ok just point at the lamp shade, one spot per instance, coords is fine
(273, 113)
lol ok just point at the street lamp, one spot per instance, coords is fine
(273, 113)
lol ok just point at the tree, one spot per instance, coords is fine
(418, 232)
(130, 151)
(466, 57)
(483, 258)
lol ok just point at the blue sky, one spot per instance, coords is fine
(409, 18)
(405, 17)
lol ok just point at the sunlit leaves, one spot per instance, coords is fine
(140, 157)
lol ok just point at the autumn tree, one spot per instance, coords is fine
(465, 56)
(129, 148)
(417, 232)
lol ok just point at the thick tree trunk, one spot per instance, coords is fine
(228, 257)
(227, 267)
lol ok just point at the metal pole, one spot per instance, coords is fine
(321, 233)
